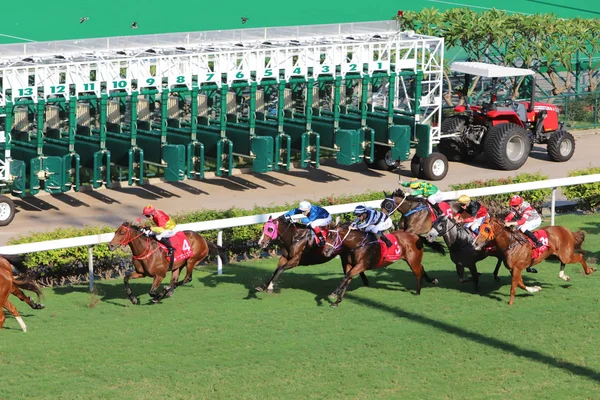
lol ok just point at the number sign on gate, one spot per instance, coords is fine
(24, 92)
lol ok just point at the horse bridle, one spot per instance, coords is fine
(398, 206)
(126, 240)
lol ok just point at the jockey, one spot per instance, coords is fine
(476, 212)
(314, 217)
(424, 189)
(523, 215)
(164, 229)
(369, 220)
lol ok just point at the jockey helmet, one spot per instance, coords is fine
(516, 200)
(415, 183)
(464, 199)
(360, 210)
(149, 210)
(304, 206)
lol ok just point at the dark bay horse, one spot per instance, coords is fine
(11, 285)
(460, 243)
(298, 248)
(361, 251)
(417, 215)
(150, 260)
(517, 250)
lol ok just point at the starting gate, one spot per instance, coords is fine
(126, 108)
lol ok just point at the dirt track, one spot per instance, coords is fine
(113, 206)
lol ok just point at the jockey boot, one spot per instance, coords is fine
(384, 239)
(167, 242)
(437, 209)
(536, 242)
(319, 235)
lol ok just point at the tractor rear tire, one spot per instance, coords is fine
(561, 146)
(415, 167)
(454, 124)
(450, 147)
(507, 146)
(7, 210)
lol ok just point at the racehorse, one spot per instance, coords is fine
(519, 253)
(298, 248)
(460, 243)
(150, 260)
(417, 214)
(11, 285)
(361, 251)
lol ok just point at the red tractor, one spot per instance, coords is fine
(505, 132)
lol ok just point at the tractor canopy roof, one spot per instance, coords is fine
(489, 70)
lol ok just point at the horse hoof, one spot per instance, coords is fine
(170, 294)
(435, 281)
(333, 297)
(259, 289)
(538, 288)
(334, 305)
(40, 307)
(155, 300)
(134, 300)
(270, 291)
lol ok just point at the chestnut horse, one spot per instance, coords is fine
(460, 243)
(11, 285)
(298, 248)
(416, 212)
(150, 260)
(361, 251)
(517, 250)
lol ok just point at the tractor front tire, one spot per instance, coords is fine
(7, 210)
(434, 167)
(383, 159)
(507, 146)
(561, 146)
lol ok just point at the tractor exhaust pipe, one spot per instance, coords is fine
(531, 103)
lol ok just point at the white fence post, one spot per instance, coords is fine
(91, 267)
(553, 206)
(219, 243)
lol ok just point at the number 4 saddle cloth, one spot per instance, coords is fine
(543, 238)
(182, 247)
(391, 254)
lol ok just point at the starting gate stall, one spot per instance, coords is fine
(361, 92)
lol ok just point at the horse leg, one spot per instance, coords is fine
(189, 270)
(497, 269)
(364, 279)
(561, 273)
(155, 284)
(460, 271)
(283, 265)
(336, 293)
(517, 280)
(174, 283)
(433, 281)
(131, 275)
(16, 291)
(579, 258)
(475, 275)
(13, 310)
(357, 269)
(417, 269)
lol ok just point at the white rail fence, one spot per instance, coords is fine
(221, 224)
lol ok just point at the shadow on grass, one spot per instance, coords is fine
(110, 293)
(482, 339)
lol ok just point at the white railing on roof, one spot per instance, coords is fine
(221, 224)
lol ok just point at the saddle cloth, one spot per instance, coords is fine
(393, 253)
(182, 247)
(543, 238)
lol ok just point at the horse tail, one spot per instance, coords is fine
(28, 283)
(16, 260)
(216, 250)
(435, 246)
(579, 237)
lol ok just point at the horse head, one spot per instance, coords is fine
(125, 234)
(439, 227)
(270, 232)
(487, 232)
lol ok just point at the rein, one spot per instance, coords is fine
(146, 253)
(398, 206)
(337, 246)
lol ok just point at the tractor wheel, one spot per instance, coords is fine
(454, 124)
(7, 210)
(561, 146)
(450, 147)
(415, 167)
(383, 159)
(507, 146)
(434, 166)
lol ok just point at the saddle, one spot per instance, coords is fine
(182, 247)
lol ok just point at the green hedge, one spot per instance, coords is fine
(498, 204)
(588, 194)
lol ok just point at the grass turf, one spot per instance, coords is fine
(218, 339)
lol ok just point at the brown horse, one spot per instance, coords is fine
(417, 214)
(517, 250)
(11, 285)
(150, 260)
(298, 248)
(361, 251)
